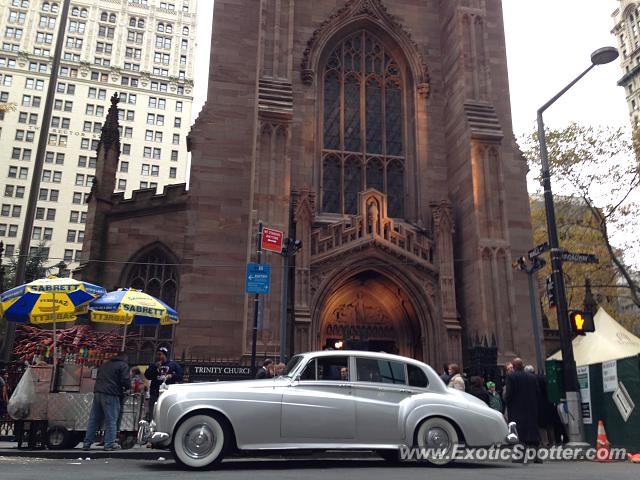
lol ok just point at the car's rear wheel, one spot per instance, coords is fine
(200, 441)
(438, 436)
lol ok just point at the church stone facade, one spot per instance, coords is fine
(376, 132)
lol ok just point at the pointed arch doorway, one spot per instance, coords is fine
(371, 312)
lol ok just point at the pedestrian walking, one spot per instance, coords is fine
(521, 397)
(162, 371)
(456, 381)
(111, 384)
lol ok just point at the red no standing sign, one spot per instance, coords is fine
(272, 240)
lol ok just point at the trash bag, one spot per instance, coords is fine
(23, 397)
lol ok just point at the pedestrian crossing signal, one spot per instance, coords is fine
(581, 322)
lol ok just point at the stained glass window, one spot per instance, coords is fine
(332, 112)
(363, 125)
(375, 174)
(331, 185)
(156, 275)
(395, 189)
(352, 184)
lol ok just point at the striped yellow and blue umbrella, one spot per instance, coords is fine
(126, 306)
(48, 300)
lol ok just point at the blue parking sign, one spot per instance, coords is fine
(258, 278)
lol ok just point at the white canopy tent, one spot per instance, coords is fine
(610, 341)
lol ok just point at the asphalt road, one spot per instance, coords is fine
(294, 469)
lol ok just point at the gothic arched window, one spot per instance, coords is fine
(155, 273)
(363, 132)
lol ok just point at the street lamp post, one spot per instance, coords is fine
(575, 427)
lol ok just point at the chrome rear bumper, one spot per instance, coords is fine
(512, 436)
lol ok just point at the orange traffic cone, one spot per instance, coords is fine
(635, 458)
(603, 447)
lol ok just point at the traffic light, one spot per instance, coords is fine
(581, 322)
(551, 293)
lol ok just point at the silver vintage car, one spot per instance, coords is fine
(325, 400)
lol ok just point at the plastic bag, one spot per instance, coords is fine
(23, 397)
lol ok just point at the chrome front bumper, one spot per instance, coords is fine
(147, 433)
(512, 436)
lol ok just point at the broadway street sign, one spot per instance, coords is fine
(579, 257)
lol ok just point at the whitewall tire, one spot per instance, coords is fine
(200, 441)
(437, 434)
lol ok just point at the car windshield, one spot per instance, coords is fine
(291, 366)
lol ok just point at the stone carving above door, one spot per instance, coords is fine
(371, 227)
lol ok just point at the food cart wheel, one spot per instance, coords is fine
(128, 440)
(58, 438)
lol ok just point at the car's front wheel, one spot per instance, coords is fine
(200, 441)
(438, 437)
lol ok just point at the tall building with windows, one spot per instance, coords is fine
(627, 31)
(142, 49)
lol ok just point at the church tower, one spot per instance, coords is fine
(376, 132)
(379, 134)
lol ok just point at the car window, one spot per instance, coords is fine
(333, 368)
(417, 377)
(293, 363)
(309, 372)
(380, 371)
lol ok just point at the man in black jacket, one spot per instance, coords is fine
(162, 371)
(263, 372)
(111, 384)
(521, 396)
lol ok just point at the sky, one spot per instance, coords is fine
(549, 42)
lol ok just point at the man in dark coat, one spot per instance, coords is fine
(111, 384)
(264, 370)
(162, 371)
(521, 396)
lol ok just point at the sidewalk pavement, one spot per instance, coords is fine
(139, 452)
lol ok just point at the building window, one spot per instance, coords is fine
(363, 125)
(154, 272)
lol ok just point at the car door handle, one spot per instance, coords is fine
(404, 390)
(344, 385)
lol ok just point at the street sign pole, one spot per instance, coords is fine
(256, 307)
(283, 310)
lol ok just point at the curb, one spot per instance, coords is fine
(154, 454)
(93, 454)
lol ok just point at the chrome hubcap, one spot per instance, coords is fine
(437, 438)
(56, 437)
(199, 441)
